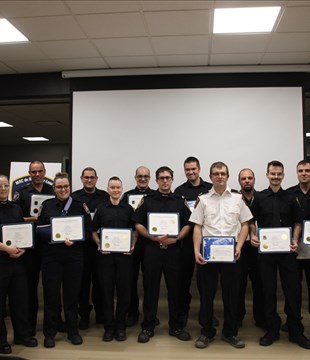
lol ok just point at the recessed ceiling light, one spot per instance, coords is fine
(35, 138)
(245, 20)
(9, 33)
(3, 124)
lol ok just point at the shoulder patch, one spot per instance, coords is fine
(16, 196)
(85, 207)
(197, 202)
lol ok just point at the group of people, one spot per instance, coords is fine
(80, 276)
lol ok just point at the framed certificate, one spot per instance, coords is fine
(274, 240)
(36, 202)
(164, 224)
(218, 249)
(18, 235)
(115, 240)
(67, 228)
(191, 204)
(306, 232)
(134, 200)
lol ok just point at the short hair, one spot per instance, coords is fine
(89, 168)
(61, 175)
(246, 169)
(192, 159)
(303, 162)
(162, 169)
(275, 163)
(142, 167)
(4, 176)
(115, 178)
(36, 162)
(218, 164)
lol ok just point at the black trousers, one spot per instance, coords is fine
(13, 283)
(250, 269)
(304, 266)
(207, 281)
(114, 273)
(62, 266)
(291, 285)
(157, 262)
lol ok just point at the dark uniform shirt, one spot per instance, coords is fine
(162, 203)
(301, 198)
(92, 200)
(276, 209)
(191, 192)
(22, 197)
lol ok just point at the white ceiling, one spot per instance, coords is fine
(71, 35)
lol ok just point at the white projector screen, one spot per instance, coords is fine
(117, 131)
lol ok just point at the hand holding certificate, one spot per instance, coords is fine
(18, 235)
(163, 224)
(218, 249)
(115, 240)
(274, 240)
(66, 228)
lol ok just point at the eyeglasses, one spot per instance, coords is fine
(62, 187)
(163, 178)
(4, 187)
(217, 174)
(91, 178)
(143, 177)
(33, 172)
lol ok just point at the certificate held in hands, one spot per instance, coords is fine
(67, 228)
(115, 240)
(274, 240)
(163, 224)
(18, 235)
(218, 249)
(306, 232)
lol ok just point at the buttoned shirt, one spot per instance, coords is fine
(220, 215)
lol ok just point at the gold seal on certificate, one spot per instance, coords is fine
(274, 240)
(36, 202)
(18, 235)
(163, 224)
(115, 240)
(67, 228)
(218, 248)
(306, 232)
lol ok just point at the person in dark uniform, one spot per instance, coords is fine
(162, 255)
(62, 263)
(92, 197)
(142, 178)
(33, 257)
(249, 263)
(275, 207)
(13, 280)
(114, 268)
(191, 189)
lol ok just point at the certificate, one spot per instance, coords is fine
(67, 228)
(134, 200)
(218, 249)
(163, 224)
(115, 240)
(191, 204)
(18, 235)
(306, 232)
(36, 202)
(274, 240)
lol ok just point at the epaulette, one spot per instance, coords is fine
(234, 191)
(203, 193)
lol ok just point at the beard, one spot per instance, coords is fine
(248, 189)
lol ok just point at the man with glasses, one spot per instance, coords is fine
(162, 253)
(92, 197)
(132, 197)
(33, 257)
(220, 212)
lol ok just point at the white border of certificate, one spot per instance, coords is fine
(36, 202)
(218, 249)
(134, 200)
(67, 227)
(163, 224)
(20, 235)
(275, 240)
(115, 240)
(306, 232)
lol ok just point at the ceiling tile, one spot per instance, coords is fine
(25, 51)
(182, 60)
(239, 43)
(97, 7)
(295, 19)
(131, 62)
(13, 9)
(124, 46)
(178, 22)
(290, 42)
(34, 66)
(4, 70)
(235, 59)
(287, 58)
(175, 5)
(181, 44)
(78, 64)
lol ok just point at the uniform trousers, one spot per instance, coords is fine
(250, 268)
(304, 266)
(207, 282)
(156, 262)
(61, 266)
(114, 273)
(13, 283)
(290, 281)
